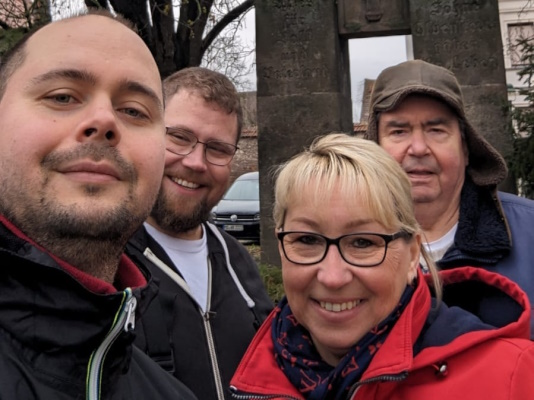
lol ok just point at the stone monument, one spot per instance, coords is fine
(303, 89)
(303, 71)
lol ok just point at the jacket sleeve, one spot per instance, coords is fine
(522, 383)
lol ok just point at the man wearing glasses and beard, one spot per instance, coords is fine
(212, 298)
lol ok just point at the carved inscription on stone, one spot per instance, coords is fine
(290, 4)
(293, 55)
(456, 8)
(462, 35)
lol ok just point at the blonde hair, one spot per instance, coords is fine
(362, 169)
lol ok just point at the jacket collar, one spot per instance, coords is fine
(259, 373)
(395, 355)
(55, 318)
(503, 311)
(128, 275)
(482, 225)
(483, 232)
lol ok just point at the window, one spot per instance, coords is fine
(516, 34)
(244, 190)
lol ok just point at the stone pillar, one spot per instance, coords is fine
(464, 36)
(303, 89)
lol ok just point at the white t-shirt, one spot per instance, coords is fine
(190, 258)
(437, 249)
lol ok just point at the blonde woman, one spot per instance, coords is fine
(360, 320)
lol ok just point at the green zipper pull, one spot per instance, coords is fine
(124, 320)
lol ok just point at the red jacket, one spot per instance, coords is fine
(457, 355)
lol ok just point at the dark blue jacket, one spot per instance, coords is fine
(495, 232)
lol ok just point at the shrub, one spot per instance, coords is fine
(272, 278)
(271, 274)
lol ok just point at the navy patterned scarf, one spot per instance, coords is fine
(315, 379)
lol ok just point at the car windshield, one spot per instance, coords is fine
(243, 190)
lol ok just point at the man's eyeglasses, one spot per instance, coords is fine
(183, 142)
(361, 249)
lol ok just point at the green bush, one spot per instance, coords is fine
(522, 165)
(272, 278)
(271, 274)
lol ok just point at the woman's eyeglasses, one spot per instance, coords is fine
(361, 249)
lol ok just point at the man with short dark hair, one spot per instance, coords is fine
(212, 298)
(81, 142)
(418, 116)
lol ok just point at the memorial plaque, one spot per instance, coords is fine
(366, 18)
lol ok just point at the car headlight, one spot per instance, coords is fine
(213, 215)
(257, 217)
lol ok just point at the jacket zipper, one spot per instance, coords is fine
(382, 378)
(211, 342)
(213, 356)
(250, 396)
(206, 316)
(124, 319)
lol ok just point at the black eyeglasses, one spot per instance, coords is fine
(183, 142)
(362, 249)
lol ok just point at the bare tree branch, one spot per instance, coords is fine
(224, 22)
(204, 32)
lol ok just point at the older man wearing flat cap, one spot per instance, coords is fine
(418, 116)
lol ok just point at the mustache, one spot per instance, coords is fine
(420, 165)
(95, 152)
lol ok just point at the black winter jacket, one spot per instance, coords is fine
(60, 340)
(202, 349)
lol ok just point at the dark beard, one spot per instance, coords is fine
(92, 242)
(169, 220)
(93, 245)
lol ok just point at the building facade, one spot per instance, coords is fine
(517, 22)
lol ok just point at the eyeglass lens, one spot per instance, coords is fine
(365, 249)
(182, 142)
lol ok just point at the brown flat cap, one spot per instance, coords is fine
(486, 165)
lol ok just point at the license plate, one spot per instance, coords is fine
(233, 228)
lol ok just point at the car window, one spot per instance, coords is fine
(243, 190)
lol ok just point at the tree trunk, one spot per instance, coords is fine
(163, 36)
(174, 48)
(191, 25)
